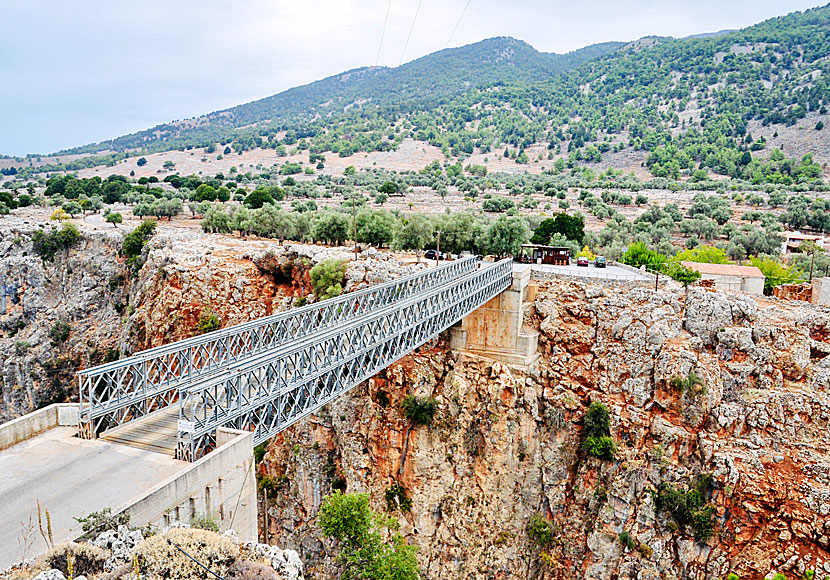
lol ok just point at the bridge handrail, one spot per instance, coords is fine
(144, 374)
(483, 284)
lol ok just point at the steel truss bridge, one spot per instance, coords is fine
(266, 374)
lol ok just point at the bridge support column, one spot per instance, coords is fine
(496, 330)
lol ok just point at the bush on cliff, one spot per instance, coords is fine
(135, 241)
(327, 277)
(419, 410)
(48, 243)
(348, 519)
(597, 440)
(689, 507)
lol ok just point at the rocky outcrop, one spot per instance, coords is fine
(54, 314)
(506, 443)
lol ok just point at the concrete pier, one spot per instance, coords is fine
(496, 330)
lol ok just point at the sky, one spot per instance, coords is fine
(78, 72)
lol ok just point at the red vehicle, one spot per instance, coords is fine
(582, 261)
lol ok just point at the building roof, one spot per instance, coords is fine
(725, 269)
(800, 236)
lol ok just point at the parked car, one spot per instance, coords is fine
(430, 254)
(599, 262)
(582, 261)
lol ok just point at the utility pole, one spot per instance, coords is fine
(812, 263)
(438, 248)
(354, 227)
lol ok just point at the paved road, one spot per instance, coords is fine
(609, 272)
(70, 477)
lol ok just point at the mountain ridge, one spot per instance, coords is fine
(489, 59)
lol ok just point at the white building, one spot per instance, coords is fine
(794, 239)
(747, 279)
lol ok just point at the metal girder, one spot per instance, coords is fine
(117, 392)
(267, 393)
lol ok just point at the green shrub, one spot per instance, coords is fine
(204, 522)
(627, 540)
(689, 507)
(327, 277)
(21, 346)
(396, 498)
(208, 321)
(540, 530)
(601, 447)
(597, 421)
(597, 440)
(692, 384)
(419, 410)
(48, 243)
(59, 333)
(135, 241)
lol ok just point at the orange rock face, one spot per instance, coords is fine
(506, 444)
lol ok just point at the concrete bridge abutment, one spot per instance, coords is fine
(496, 330)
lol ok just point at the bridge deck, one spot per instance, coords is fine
(71, 477)
(156, 432)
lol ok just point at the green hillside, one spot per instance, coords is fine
(684, 103)
(420, 84)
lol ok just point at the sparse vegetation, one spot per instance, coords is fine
(692, 384)
(204, 522)
(627, 540)
(596, 438)
(59, 333)
(209, 321)
(419, 410)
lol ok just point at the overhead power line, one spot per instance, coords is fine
(383, 33)
(411, 28)
(467, 5)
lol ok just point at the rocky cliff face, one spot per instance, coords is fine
(506, 444)
(54, 314)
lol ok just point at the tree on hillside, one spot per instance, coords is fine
(257, 198)
(506, 235)
(389, 188)
(114, 218)
(141, 162)
(414, 233)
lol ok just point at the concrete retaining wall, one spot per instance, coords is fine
(25, 427)
(221, 484)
